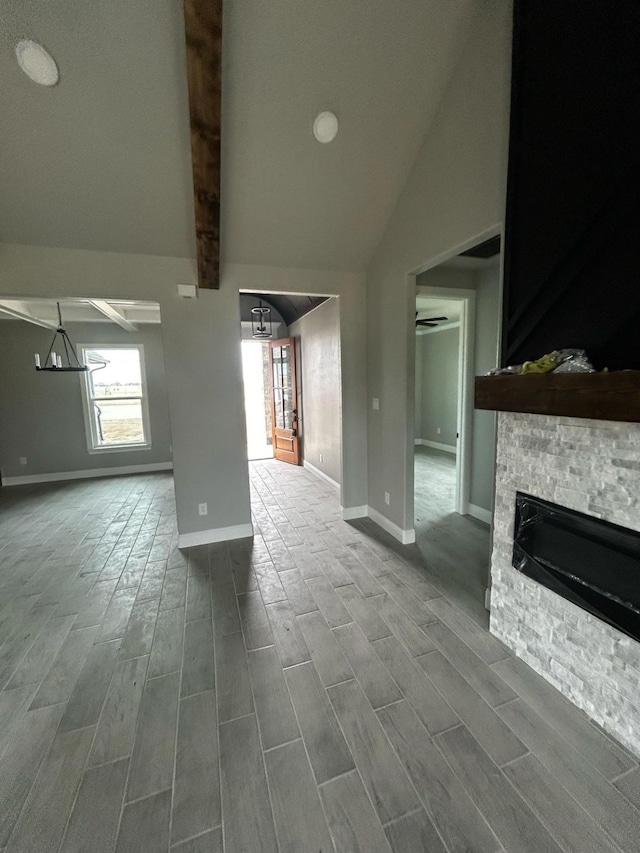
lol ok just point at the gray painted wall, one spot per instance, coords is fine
(455, 194)
(438, 354)
(319, 378)
(42, 415)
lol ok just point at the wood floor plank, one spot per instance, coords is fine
(379, 688)
(574, 727)
(506, 812)
(196, 799)
(569, 824)
(208, 842)
(95, 604)
(226, 617)
(493, 735)
(198, 595)
(294, 793)
(332, 569)
(86, 700)
(61, 678)
(406, 599)
(116, 617)
(248, 821)
(44, 817)
(20, 642)
(198, 671)
(152, 759)
(166, 649)
(329, 604)
(629, 785)
(480, 676)
(289, 639)
(484, 644)
(414, 832)
(384, 778)
(352, 820)
(13, 706)
(276, 717)
(324, 650)
(613, 812)
(436, 714)
(367, 617)
(269, 583)
(402, 625)
(117, 724)
(298, 593)
(96, 813)
(20, 762)
(145, 825)
(360, 576)
(174, 589)
(446, 801)
(256, 626)
(233, 686)
(327, 748)
(138, 636)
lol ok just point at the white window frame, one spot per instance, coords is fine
(90, 426)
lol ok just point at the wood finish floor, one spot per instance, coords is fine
(456, 547)
(310, 690)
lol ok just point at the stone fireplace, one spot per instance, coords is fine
(591, 466)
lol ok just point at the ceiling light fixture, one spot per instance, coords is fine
(53, 361)
(37, 63)
(325, 127)
(261, 326)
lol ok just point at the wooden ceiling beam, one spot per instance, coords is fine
(113, 314)
(28, 318)
(203, 29)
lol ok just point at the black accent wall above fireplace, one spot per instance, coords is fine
(590, 562)
(572, 253)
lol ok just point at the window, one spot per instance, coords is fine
(115, 397)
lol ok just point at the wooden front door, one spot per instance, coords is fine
(284, 401)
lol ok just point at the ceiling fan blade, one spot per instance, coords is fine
(436, 318)
(425, 323)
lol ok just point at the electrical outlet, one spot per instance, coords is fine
(23, 460)
(387, 498)
(376, 403)
(202, 509)
(322, 457)
(438, 431)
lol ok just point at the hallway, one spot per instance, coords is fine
(311, 689)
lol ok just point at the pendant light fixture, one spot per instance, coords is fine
(261, 326)
(53, 361)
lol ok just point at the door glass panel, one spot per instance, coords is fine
(278, 404)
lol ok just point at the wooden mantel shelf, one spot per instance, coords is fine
(611, 396)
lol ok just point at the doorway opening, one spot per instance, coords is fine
(438, 405)
(257, 399)
(457, 331)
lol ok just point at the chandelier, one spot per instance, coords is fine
(261, 326)
(53, 360)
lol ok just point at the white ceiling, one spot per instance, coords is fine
(430, 306)
(43, 312)
(102, 160)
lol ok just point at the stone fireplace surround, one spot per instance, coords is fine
(591, 466)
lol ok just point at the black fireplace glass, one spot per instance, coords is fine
(588, 561)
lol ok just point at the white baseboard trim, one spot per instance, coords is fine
(318, 473)
(87, 474)
(447, 448)
(481, 513)
(349, 513)
(216, 534)
(406, 537)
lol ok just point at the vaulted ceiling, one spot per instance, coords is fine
(101, 161)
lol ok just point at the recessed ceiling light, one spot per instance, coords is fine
(37, 63)
(325, 127)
